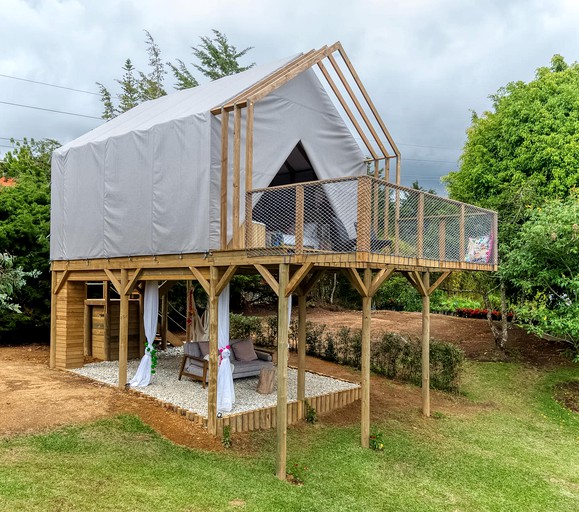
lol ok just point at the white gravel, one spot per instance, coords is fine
(190, 394)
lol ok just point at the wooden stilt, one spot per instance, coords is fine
(366, 319)
(188, 319)
(301, 347)
(213, 349)
(123, 330)
(87, 330)
(164, 320)
(53, 300)
(142, 336)
(426, 346)
(282, 360)
(107, 320)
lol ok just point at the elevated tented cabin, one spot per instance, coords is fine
(258, 172)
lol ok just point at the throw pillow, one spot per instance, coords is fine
(479, 250)
(244, 351)
(204, 347)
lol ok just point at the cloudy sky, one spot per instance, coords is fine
(426, 64)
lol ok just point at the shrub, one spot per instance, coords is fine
(242, 326)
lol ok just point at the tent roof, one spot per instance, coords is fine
(188, 102)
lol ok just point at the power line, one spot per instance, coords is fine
(49, 85)
(49, 110)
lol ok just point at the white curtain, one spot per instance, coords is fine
(225, 389)
(150, 317)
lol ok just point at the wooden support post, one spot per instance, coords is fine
(301, 347)
(236, 175)
(442, 239)
(249, 242)
(107, 320)
(461, 240)
(164, 320)
(397, 221)
(188, 318)
(123, 330)
(282, 360)
(224, 176)
(213, 349)
(426, 346)
(420, 227)
(87, 330)
(375, 202)
(142, 336)
(299, 228)
(53, 299)
(366, 319)
(364, 214)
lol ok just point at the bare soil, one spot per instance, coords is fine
(34, 398)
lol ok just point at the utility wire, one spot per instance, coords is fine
(49, 110)
(49, 85)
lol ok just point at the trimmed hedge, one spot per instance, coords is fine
(393, 355)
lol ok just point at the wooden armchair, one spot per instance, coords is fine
(194, 365)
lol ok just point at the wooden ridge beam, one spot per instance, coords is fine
(114, 280)
(347, 109)
(62, 282)
(269, 279)
(225, 278)
(358, 105)
(202, 281)
(438, 282)
(228, 107)
(298, 277)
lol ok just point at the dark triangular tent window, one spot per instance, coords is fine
(296, 169)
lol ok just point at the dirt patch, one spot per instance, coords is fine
(567, 394)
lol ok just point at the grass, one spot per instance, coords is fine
(518, 450)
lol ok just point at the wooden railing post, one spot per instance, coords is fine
(299, 228)
(461, 240)
(442, 239)
(420, 227)
(364, 213)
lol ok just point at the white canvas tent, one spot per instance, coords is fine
(148, 181)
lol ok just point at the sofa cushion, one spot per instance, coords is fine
(191, 348)
(244, 351)
(204, 347)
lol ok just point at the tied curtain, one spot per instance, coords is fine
(150, 316)
(225, 389)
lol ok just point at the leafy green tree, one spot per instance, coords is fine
(544, 264)
(24, 231)
(12, 279)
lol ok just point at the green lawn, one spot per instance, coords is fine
(519, 451)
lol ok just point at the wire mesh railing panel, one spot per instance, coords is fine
(368, 215)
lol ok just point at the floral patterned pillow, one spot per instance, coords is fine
(479, 250)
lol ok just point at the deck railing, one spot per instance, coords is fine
(367, 215)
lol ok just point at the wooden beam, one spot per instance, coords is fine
(420, 227)
(133, 282)
(461, 235)
(269, 279)
(301, 348)
(355, 280)
(368, 100)
(224, 176)
(62, 281)
(282, 360)
(438, 282)
(53, 305)
(227, 275)
(107, 319)
(164, 319)
(379, 279)
(236, 175)
(248, 175)
(115, 281)
(299, 220)
(87, 330)
(365, 362)
(299, 275)
(213, 351)
(347, 109)
(202, 281)
(364, 214)
(426, 346)
(123, 329)
(358, 105)
(419, 283)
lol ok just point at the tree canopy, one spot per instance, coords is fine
(217, 58)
